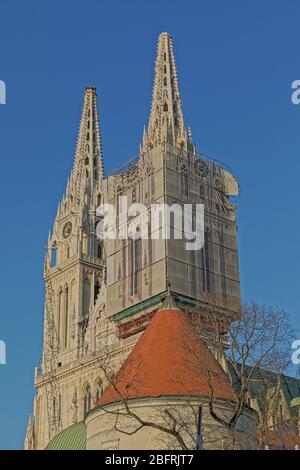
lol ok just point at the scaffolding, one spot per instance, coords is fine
(133, 162)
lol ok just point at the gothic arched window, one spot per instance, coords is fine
(66, 315)
(53, 255)
(119, 192)
(86, 297)
(84, 243)
(135, 253)
(165, 107)
(207, 251)
(184, 181)
(165, 81)
(59, 314)
(98, 390)
(87, 398)
(133, 195)
(86, 161)
(96, 291)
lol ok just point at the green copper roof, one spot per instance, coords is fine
(157, 299)
(295, 401)
(137, 308)
(71, 438)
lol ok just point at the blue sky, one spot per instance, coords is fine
(236, 62)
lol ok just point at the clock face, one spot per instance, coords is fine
(202, 168)
(67, 230)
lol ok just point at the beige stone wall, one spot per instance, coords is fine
(102, 433)
(212, 270)
(129, 283)
(215, 268)
(156, 178)
(72, 377)
(71, 389)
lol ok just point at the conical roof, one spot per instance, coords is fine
(169, 359)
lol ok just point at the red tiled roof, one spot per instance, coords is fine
(169, 359)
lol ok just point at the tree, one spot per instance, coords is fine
(176, 425)
(170, 360)
(259, 339)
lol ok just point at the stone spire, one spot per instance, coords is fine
(166, 123)
(88, 164)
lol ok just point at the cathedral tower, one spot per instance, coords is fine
(169, 171)
(73, 275)
(100, 296)
(74, 263)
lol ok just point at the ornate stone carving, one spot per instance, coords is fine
(74, 407)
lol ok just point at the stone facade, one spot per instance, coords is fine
(100, 296)
(101, 432)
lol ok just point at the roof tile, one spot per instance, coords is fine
(169, 359)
